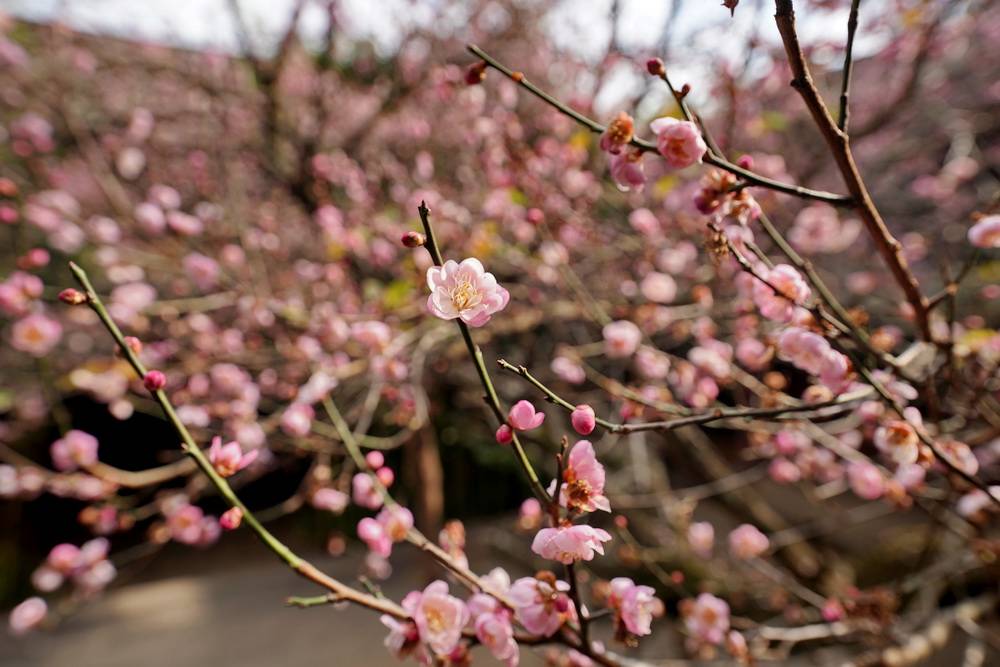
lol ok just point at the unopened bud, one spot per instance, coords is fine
(134, 344)
(476, 73)
(413, 239)
(231, 519)
(745, 161)
(685, 90)
(655, 67)
(154, 380)
(73, 297)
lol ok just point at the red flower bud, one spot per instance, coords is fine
(655, 67)
(413, 239)
(476, 73)
(73, 297)
(154, 380)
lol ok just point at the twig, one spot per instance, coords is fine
(845, 84)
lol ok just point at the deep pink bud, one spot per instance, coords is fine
(476, 73)
(655, 67)
(745, 161)
(73, 297)
(231, 518)
(504, 434)
(413, 239)
(583, 419)
(155, 380)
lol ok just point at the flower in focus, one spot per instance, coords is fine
(439, 618)
(634, 605)
(618, 133)
(465, 291)
(582, 488)
(621, 339)
(35, 334)
(28, 615)
(583, 419)
(747, 542)
(567, 544)
(523, 417)
(678, 141)
(986, 232)
(706, 619)
(74, 450)
(504, 434)
(229, 459)
(541, 603)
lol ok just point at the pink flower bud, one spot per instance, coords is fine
(386, 476)
(134, 344)
(154, 380)
(504, 434)
(73, 297)
(413, 239)
(28, 615)
(375, 460)
(231, 518)
(524, 417)
(583, 419)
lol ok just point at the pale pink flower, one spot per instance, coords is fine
(374, 535)
(35, 334)
(150, 218)
(28, 615)
(678, 141)
(634, 605)
(228, 459)
(582, 488)
(898, 439)
(297, 419)
(372, 334)
(651, 363)
(910, 475)
(792, 291)
(440, 618)
(627, 171)
(977, 501)
(184, 224)
(618, 133)
(397, 522)
(330, 500)
(567, 544)
(583, 419)
(986, 232)
(959, 455)
(783, 471)
(364, 491)
(658, 287)
(621, 339)
(202, 269)
(747, 542)
(866, 480)
(541, 604)
(465, 291)
(523, 417)
(530, 513)
(74, 450)
(64, 558)
(497, 635)
(813, 354)
(818, 228)
(403, 635)
(701, 537)
(189, 525)
(568, 370)
(706, 619)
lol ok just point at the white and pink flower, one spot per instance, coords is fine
(568, 544)
(465, 291)
(634, 605)
(678, 141)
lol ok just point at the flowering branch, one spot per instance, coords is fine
(647, 146)
(301, 567)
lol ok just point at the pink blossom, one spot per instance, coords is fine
(74, 450)
(747, 542)
(386, 476)
(397, 522)
(706, 619)
(330, 500)
(634, 605)
(497, 635)
(150, 218)
(583, 419)
(678, 141)
(866, 480)
(986, 232)
(465, 291)
(817, 229)
(898, 439)
(28, 615)
(701, 537)
(658, 287)
(229, 459)
(184, 224)
(627, 171)
(372, 334)
(231, 519)
(373, 534)
(189, 525)
(364, 491)
(568, 370)
(439, 618)
(959, 455)
(541, 604)
(792, 290)
(154, 381)
(202, 269)
(621, 339)
(375, 459)
(523, 417)
(297, 419)
(582, 488)
(977, 501)
(530, 513)
(812, 353)
(783, 471)
(35, 334)
(567, 544)
(618, 133)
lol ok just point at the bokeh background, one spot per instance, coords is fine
(298, 138)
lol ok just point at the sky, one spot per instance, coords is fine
(577, 25)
